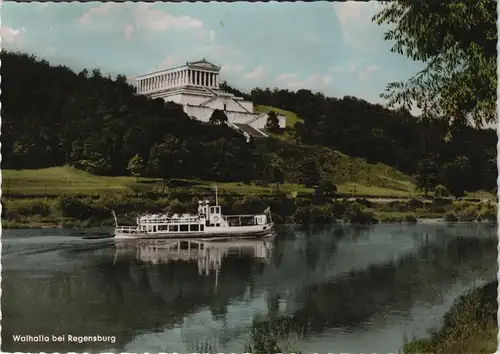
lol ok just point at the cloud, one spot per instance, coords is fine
(231, 68)
(285, 77)
(365, 73)
(355, 18)
(353, 69)
(98, 13)
(155, 20)
(313, 82)
(12, 36)
(169, 61)
(132, 17)
(129, 29)
(311, 37)
(49, 52)
(255, 74)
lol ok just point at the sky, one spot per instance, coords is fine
(333, 48)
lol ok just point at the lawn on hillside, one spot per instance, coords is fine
(291, 120)
(56, 181)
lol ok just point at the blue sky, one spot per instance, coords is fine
(333, 48)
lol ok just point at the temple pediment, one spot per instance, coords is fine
(203, 64)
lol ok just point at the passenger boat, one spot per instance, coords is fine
(209, 222)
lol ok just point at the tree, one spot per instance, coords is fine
(427, 173)
(218, 117)
(456, 175)
(326, 188)
(273, 123)
(310, 172)
(136, 166)
(457, 42)
(441, 191)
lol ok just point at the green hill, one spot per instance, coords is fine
(353, 176)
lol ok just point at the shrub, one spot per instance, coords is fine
(451, 216)
(356, 215)
(410, 218)
(441, 191)
(487, 214)
(416, 203)
(81, 209)
(27, 207)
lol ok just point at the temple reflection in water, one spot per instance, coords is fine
(207, 253)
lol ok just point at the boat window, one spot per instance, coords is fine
(217, 225)
(173, 228)
(162, 227)
(183, 228)
(212, 210)
(202, 227)
(217, 210)
(194, 227)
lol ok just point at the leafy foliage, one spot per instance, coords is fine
(394, 137)
(136, 165)
(218, 117)
(457, 42)
(98, 124)
(272, 124)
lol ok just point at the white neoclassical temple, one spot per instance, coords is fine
(196, 86)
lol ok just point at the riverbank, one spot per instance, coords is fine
(470, 326)
(74, 211)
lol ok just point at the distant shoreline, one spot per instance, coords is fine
(422, 221)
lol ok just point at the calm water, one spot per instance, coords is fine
(353, 290)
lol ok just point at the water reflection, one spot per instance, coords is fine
(349, 283)
(207, 254)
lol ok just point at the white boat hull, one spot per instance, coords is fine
(209, 232)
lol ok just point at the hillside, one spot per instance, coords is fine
(458, 156)
(353, 176)
(99, 126)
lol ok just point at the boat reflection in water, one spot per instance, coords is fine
(208, 253)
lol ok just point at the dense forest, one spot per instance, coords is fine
(53, 116)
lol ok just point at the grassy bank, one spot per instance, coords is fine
(95, 210)
(470, 326)
(57, 181)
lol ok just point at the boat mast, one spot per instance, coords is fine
(216, 199)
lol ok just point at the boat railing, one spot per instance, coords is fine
(167, 220)
(127, 229)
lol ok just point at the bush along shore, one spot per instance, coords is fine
(83, 211)
(470, 326)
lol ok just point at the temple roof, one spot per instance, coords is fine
(205, 64)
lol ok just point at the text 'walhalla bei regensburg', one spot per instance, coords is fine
(64, 338)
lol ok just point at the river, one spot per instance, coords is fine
(350, 289)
